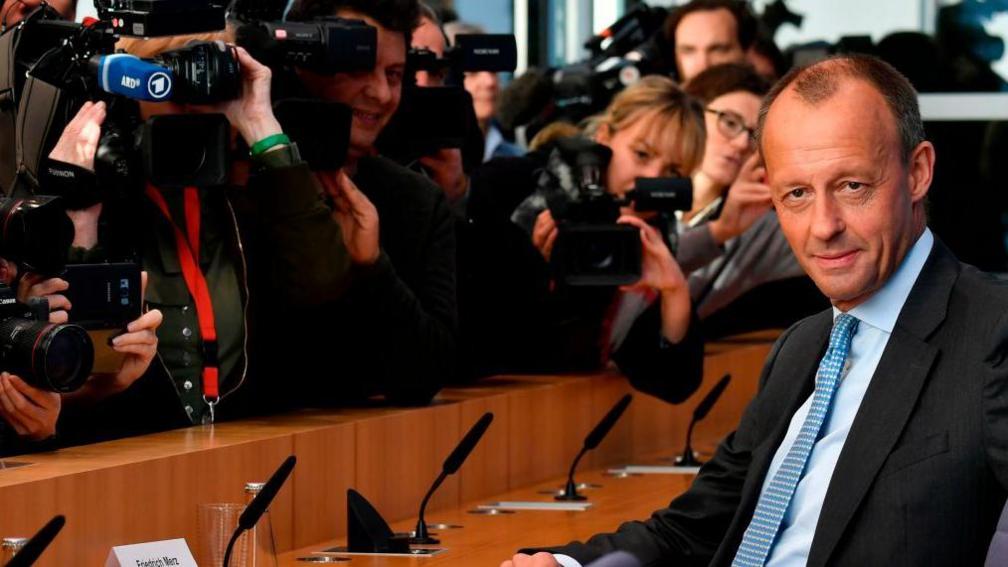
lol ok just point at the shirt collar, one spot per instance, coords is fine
(493, 139)
(883, 308)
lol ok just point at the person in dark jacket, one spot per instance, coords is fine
(394, 332)
(653, 129)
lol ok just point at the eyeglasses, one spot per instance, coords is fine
(731, 125)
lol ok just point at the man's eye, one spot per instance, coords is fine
(796, 193)
(854, 185)
(642, 155)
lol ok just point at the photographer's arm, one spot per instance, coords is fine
(663, 352)
(418, 323)
(293, 221)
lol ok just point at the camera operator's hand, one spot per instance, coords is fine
(356, 215)
(34, 285)
(445, 168)
(544, 234)
(748, 199)
(660, 272)
(77, 146)
(252, 114)
(79, 141)
(139, 344)
(30, 411)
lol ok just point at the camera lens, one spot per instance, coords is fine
(52, 357)
(35, 233)
(205, 72)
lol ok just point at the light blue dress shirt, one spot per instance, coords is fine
(878, 316)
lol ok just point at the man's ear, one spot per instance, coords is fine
(920, 170)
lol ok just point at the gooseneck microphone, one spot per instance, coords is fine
(259, 504)
(591, 441)
(450, 466)
(38, 543)
(688, 459)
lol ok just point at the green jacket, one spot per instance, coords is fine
(272, 242)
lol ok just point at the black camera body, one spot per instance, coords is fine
(57, 358)
(153, 18)
(324, 46)
(591, 248)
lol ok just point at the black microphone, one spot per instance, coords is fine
(38, 543)
(688, 459)
(451, 466)
(591, 441)
(257, 507)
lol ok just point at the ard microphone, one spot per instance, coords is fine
(38, 543)
(591, 441)
(132, 77)
(451, 466)
(259, 504)
(688, 459)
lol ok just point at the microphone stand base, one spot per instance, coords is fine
(565, 497)
(687, 459)
(424, 541)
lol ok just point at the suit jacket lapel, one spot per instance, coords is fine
(888, 402)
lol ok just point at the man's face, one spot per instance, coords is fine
(428, 36)
(706, 38)
(372, 95)
(847, 204)
(14, 10)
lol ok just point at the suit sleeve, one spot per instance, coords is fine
(671, 372)
(995, 402)
(690, 529)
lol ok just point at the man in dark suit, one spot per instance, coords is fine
(879, 433)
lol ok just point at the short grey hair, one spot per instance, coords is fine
(819, 81)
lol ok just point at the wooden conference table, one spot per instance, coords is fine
(148, 488)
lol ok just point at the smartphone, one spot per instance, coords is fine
(104, 299)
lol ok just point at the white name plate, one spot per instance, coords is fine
(167, 553)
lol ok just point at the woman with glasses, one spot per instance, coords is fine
(732, 249)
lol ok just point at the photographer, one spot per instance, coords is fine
(652, 130)
(258, 238)
(396, 331)
(13, 11)
(32, 412)
(734, 254)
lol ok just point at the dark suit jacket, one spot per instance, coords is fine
(923, 474)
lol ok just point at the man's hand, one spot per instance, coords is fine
(544, 234)
(252, 114)
(445, 168)
(79, 141)
(34, 285)
(541, 559)
(747, 200)
(356, 215)
(30, 411)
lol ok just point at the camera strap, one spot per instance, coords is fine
(188, 245)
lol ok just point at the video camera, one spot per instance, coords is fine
(619, 56)
(591, 248)
(434, 118)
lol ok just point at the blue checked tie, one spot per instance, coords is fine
(773, 503)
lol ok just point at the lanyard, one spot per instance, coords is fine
(188, 244)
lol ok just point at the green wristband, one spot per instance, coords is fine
(268, 143)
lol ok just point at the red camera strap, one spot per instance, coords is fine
(188, 252)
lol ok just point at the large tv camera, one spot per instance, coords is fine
(591, 248)
(619, 56)
(434, 118)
